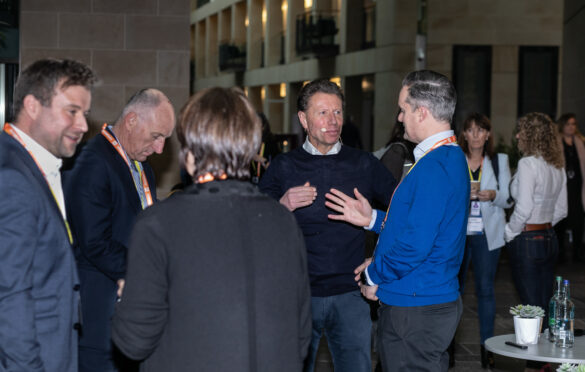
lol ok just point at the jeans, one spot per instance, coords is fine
(532, 258)
(345, 319)
(416, 338)
(485, 264)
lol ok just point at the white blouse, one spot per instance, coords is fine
(540, 192)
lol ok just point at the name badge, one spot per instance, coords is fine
(475, 222)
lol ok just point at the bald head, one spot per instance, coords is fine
(146, 121)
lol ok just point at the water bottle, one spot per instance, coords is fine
(552, 306)
(565, 315)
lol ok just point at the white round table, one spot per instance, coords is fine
(544, 351)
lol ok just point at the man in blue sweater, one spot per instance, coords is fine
(414, 269)
(299, 180)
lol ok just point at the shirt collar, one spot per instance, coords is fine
(426, 145)
(308, 147)
(49, 163)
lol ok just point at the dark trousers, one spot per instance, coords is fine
(485, 265)
(416, 338)
(532, 259)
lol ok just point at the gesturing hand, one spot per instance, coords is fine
(355, 211)
(299, 196)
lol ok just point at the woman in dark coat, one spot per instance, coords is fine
(217, 275)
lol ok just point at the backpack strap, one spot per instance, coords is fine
(496, 166)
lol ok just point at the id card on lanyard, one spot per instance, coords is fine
(474, 221)
(140, 188)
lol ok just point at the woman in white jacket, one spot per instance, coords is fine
(490, 177)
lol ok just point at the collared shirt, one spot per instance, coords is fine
(421, 149)
(308, 147)
(50, 165)
(540, 192)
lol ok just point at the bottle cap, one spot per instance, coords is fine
(565, 281)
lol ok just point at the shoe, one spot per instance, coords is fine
(487, 358)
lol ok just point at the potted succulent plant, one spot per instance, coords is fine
(527, 323)
(566, 367)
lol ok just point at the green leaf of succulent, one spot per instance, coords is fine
(527, 311)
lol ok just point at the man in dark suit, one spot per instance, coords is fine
(108, 184)
(39, 299)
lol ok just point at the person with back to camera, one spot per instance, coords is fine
(540, 195)
(574, 151)
(217, 275)
(485, 226)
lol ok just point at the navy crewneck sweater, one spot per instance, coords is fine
(334, 248)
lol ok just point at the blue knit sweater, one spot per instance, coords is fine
(334, 248)
(420, 249)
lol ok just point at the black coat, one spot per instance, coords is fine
(217, 281)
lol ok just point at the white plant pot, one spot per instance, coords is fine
(527, 330)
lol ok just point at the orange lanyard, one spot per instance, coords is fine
(8, 129)
(445, 141)
(208, 177)
(122, 153)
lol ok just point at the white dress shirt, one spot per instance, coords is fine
(308, 147)
(422, 148)
(540, 192)
(49, 164)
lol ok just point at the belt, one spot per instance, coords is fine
(537, 226)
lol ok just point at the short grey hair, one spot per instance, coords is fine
(143, 99)
(432, 90)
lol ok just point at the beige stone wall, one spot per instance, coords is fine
(131, 44)
(503, 24)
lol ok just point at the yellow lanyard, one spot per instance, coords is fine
(8, 129)
(452, 139)
(471, 174)
(122, 153)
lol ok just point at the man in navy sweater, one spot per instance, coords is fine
(422, 236)
(299, 180)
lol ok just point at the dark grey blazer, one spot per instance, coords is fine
(39, 288)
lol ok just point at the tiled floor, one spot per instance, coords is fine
(467, 357)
